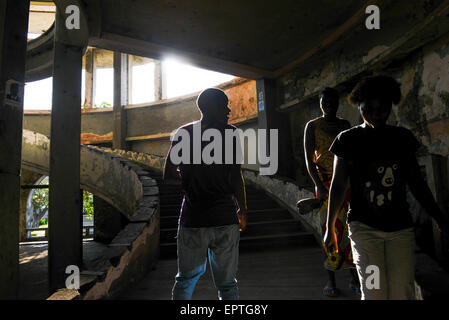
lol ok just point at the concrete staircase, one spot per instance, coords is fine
(269, 225)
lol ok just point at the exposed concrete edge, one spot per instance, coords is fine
(65, 294)
(130, 267)
(130, 255)
(95, 172)
(134, 250)
(145, 160)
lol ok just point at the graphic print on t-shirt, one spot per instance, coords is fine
(382, 178)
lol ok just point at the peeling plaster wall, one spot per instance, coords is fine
(424, 109)
(100, 173)
(425, 91)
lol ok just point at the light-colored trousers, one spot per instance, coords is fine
(393, 253)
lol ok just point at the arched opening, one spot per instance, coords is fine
(37, 212)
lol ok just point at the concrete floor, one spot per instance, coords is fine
(282, 274)
(33, 267)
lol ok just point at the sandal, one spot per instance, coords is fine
(331, 292)
(354, 288)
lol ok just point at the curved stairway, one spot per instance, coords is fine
(269, 225)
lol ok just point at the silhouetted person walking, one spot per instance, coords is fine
(377, 161)
(319, 134)
(214, 204)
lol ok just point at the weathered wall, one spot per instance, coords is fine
(149, 125)
(424, 109)
(96, 124)
(425, 90)
(102, 174)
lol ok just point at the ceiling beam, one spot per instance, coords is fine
(155, 51)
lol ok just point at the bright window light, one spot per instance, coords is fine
(104, 87)
(142, 83)
(183, 79)
(33, 35)
(38, 95)
(180, 79)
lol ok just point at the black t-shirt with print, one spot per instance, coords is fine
(376, 159)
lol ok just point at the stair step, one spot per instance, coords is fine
(256, 205)
(259, 243)
(255, 216)
(269, 225)
(261, 228)
(265, 213)
(178, 193)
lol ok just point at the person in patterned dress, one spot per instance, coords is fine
(319, 134)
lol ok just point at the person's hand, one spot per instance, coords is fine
(330, 241)
(321, 192)
(242, 215)
(443, 225)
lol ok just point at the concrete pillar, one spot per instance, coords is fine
(163, 81)
(13, 43)
(108, 221)
(130, 78)
(157, 80)
(65, 201)
(270, 118)
(89, 92)
(120, 100)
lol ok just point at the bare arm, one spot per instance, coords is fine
(339, 186)
(238, 185)
(309, 150)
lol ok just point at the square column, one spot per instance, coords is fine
(120, 100)
(270, 118)
(65, 200)
(89, 90)
(13, 44)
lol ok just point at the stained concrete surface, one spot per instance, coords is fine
(282, 274)
(33, 267)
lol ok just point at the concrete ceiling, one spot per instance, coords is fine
(251, 38)
(261, 34)
(256, 38)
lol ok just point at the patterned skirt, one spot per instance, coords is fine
(343, 258)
